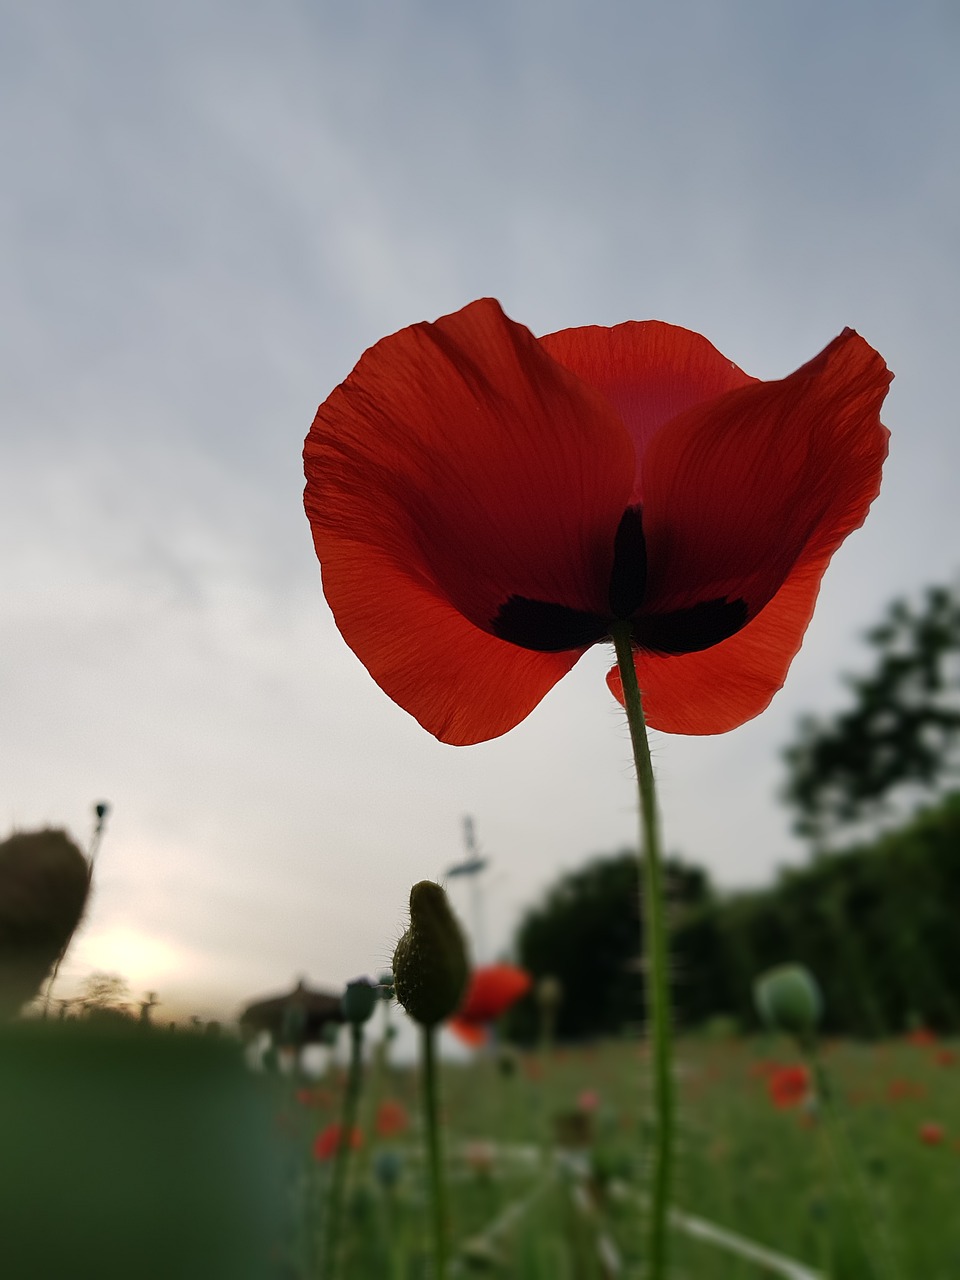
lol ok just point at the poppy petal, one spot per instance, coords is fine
(457, 468)
(492, 990)
(649, 371)
(480, 463)
(737, 490)
(721, 688)
(471, 1033)
(462, 685)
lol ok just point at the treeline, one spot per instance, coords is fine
(879, 925)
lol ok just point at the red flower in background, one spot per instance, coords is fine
(788, 1086)
(392, 1118)
(493, 989)
(922, 1037)
(328, 1140)
(931, 1134)
(486, 505)
(314, 1097)
(899, 1089)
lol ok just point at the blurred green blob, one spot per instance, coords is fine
(134, 1153)
(359, 1001)
(388, 1167)
(788, 999)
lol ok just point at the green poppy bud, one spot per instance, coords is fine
(359, 1001)
(388, 1166)
(430, 963)
(788, 999)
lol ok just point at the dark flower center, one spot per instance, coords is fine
(554, 628)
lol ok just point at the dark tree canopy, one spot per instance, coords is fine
(898, 743)
(587, 934)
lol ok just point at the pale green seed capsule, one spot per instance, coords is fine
(788, 999)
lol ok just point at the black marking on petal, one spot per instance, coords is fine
(547, 628)
(690, 630)
(628, 577)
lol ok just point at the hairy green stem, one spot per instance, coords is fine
(431, 1115)
(656, 960)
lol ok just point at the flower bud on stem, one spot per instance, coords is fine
(430, 966)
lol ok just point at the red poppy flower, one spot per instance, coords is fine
(788, 1086)
(486, 505)
(931, 1134)
(330, 1139)
(493, 989)
(314, 1097)
(899, 1089)
(392, 1118)
(922, 1037)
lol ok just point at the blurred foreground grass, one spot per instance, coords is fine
(152, 1154)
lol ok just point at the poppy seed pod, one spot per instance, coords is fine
(788, 998)
(359, 1001)
(430, 963)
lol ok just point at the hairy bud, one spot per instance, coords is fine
(430, 963)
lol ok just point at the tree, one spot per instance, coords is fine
(898, 744)
(585, 933)
(103, 995)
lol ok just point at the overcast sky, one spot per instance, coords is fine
(208, 209)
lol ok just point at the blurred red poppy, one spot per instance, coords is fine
(788, 1086)
(314, 1097)
(328, 1140)
(899, 1089)
(392, 1118)
(931, 1134)
(923, 1037)
(493, 989)
(486, 505)
(588, 1100)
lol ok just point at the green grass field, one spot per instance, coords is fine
(546, 1167)
(159, 1154)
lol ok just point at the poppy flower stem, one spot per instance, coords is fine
(438, 1191)
(848, 1174)
(338, 1177)
(656, 959)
